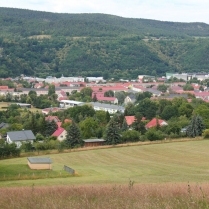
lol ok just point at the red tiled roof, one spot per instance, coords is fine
(154, 121)
(58, 132)
(129, 120)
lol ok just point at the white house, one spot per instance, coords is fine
(18, 137)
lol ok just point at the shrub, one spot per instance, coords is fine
(153, 134)
(206, 134)
(130, 136)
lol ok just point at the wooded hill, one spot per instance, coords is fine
(43, 43)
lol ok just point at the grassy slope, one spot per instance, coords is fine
(157, 163)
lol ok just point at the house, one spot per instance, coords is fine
(69, 103)
(40, 163)
(154, 92)
(111, 108)
(130, 99)
(60, 133)
(131, 119)
(154, 122)
(93, 142)
(18, 137)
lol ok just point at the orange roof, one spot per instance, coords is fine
(130, 120)
(67, 121)
(154, 121)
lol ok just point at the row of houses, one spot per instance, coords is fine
(18, 137)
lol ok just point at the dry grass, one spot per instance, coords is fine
(107, 196)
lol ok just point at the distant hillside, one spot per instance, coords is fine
(43, 43)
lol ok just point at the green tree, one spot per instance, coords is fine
(162, 87)
(169, 112)
(87, 91)
(112, 135)
(196, 126)
(51, 90)
(109, 93)
(73, 137)
(51, 127)
(147, 108)
(88, 128)
(130, 136)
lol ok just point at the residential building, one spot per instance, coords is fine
(19, 137)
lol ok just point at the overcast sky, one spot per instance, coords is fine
(166, 10)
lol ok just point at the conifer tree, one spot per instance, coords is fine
(112, 135)
(196, 126)
(73, 135)
(124, 126)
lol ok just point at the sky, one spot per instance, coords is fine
(165, 10)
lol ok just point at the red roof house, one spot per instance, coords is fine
(130, 120)
(60, 133)
(154, 122)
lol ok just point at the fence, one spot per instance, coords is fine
(69, 170)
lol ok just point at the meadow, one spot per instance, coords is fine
(152, 163)
(163, 175)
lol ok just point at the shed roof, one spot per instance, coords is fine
(40, 160)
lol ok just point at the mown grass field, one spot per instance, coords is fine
(174, 162)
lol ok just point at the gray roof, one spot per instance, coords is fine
(94, 140)
(39, 160)
(21, 135)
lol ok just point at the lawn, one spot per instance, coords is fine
(154, 163)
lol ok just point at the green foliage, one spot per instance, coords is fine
(205, 134)
(73, 137)
(112, 135)
(188, 87)
(152, 134)
(162, 87)
(79, 113)
(51, 90)
(147, 108)
(9, 150)
(169, 112)
(88, 128)
(130, 136)
(109, 93)
(105, 45)
(196, 126)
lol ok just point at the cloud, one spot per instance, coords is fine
(170, 10)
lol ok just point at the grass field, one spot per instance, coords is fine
(5, 105)
(154, 163)
(166, 175)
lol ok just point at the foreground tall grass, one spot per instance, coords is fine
(128, 196)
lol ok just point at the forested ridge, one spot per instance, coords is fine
(44, 43)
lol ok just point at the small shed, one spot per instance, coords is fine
(93, 142)
(40, 163)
